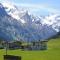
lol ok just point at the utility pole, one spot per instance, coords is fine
(6, 47)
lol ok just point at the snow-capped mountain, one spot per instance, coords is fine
(53, 20)
(18, 24)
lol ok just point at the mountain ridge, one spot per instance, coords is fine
(26, 27)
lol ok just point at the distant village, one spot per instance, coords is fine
(35, 45)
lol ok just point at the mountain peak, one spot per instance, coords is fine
(14, 11)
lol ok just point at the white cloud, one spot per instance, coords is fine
(37, 7)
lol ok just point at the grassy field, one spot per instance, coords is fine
(52, 53)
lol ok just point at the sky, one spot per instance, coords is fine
(39, 7)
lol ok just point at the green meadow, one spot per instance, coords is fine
(52, 53)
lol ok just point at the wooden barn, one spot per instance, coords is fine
(39, 45)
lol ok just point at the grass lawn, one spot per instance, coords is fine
(52, 53)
